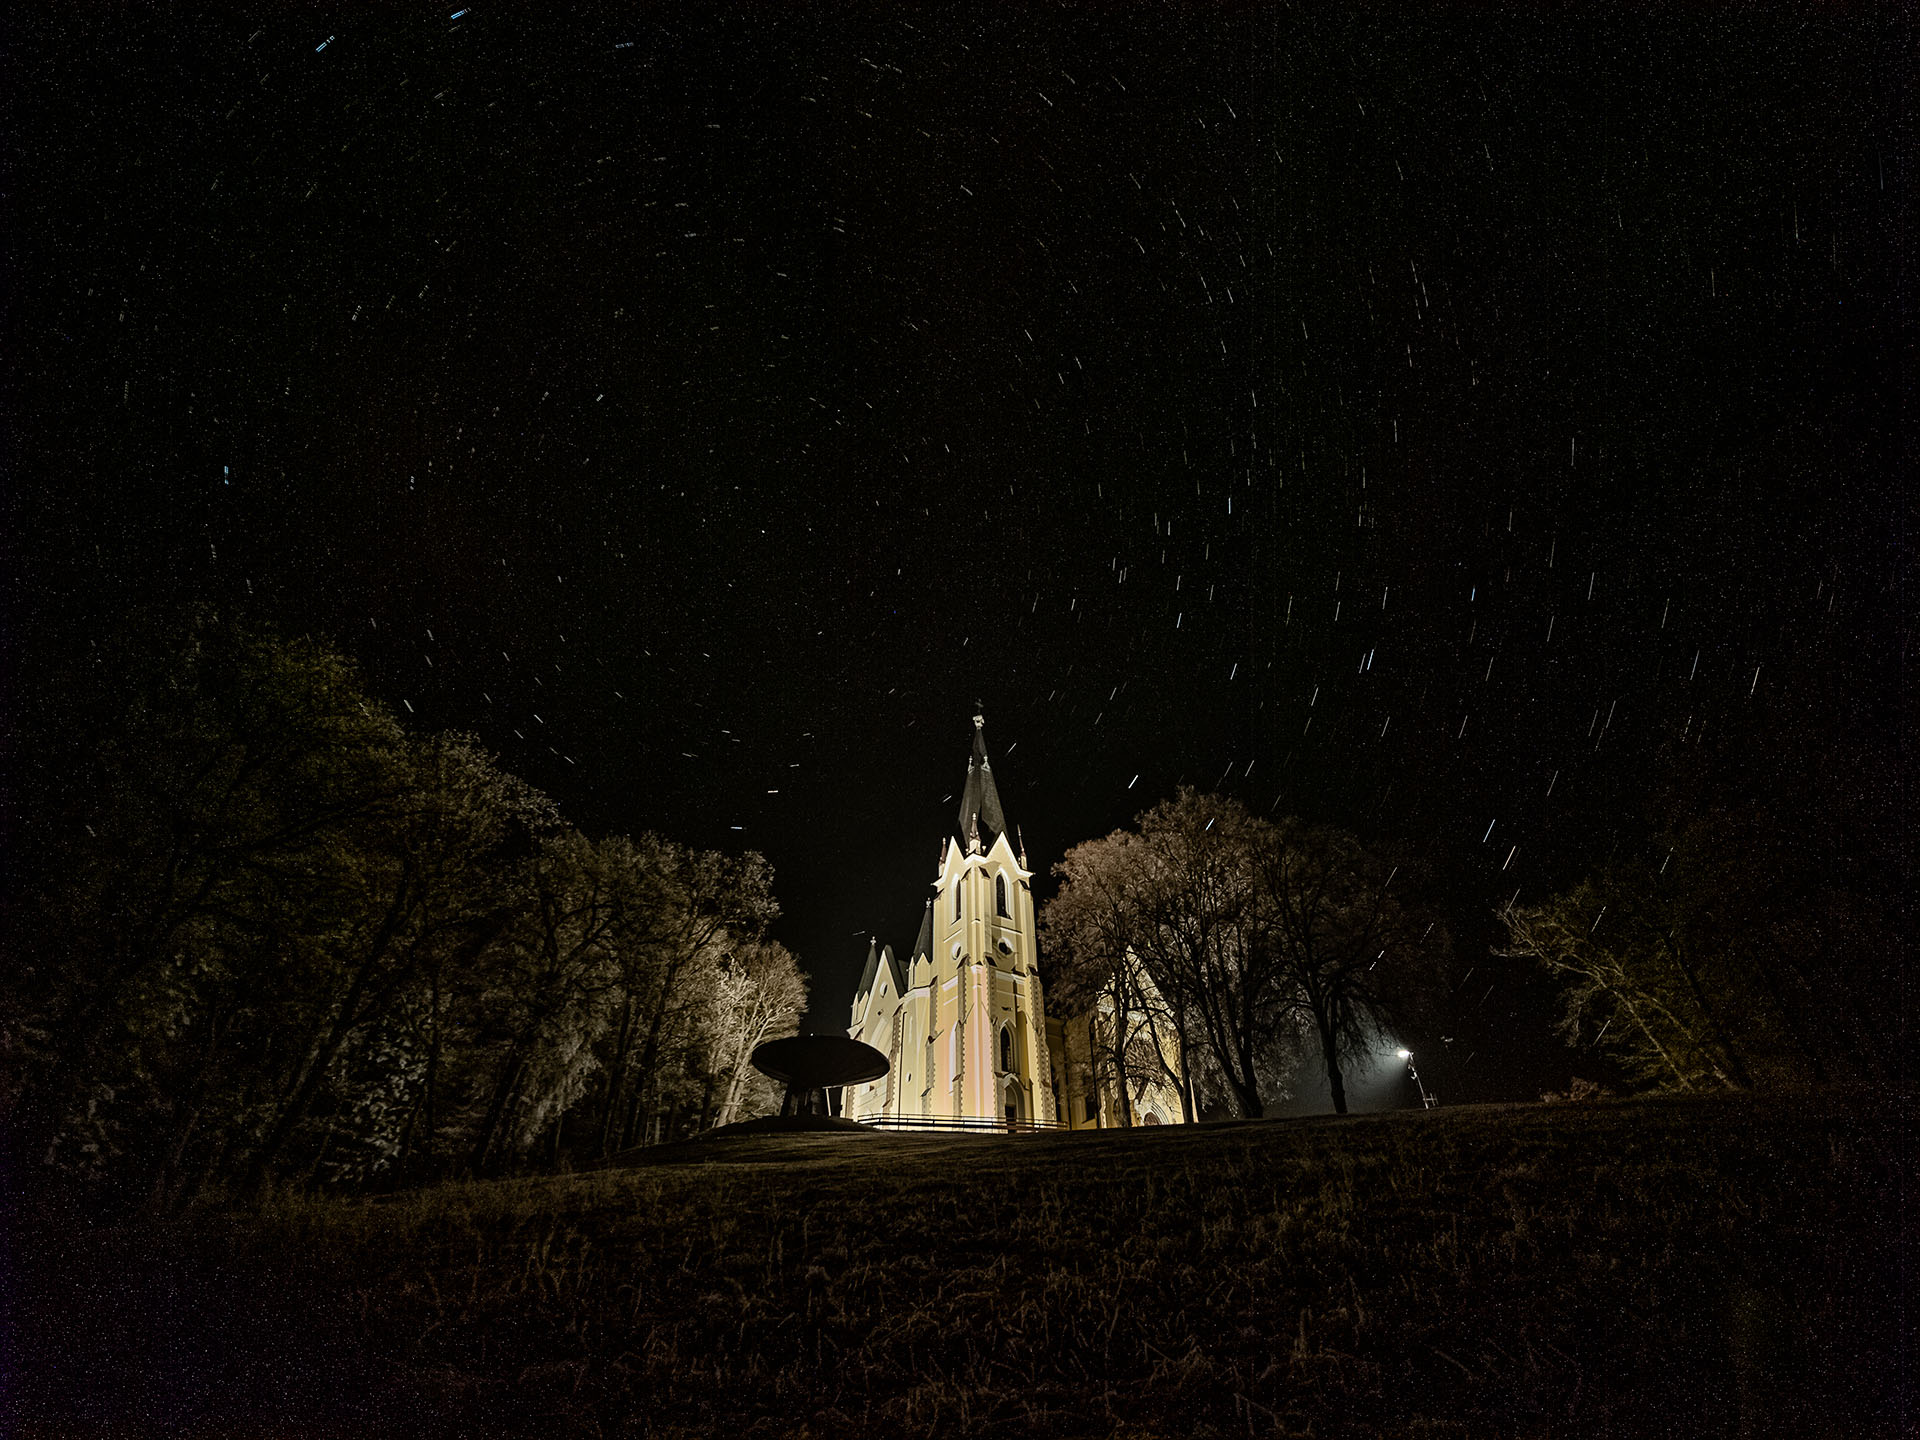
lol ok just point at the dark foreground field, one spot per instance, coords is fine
(1687, 1268)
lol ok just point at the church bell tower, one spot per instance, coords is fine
(968, 1034)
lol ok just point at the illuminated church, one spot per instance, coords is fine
(963, 1023)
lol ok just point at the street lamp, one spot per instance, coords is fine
(1427, 1102)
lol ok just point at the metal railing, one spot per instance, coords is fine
(983, 1125)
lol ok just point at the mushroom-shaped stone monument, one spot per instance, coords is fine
(810, 1065)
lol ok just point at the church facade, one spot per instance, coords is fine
(963, 1021)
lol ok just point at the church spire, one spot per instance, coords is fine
(873, 967)
(882, 961)
(923, 943)
(980, 812)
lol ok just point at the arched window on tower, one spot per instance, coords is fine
(1006, 1048)
(1000, 895)
(956, 897)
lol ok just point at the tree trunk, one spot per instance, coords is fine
(1177, 1080)
(191, 1190)
(1661, 1050)
(649, 1054)
(737, 1083)
(1736, 1068)
(636, 1114)
(1189, 1111)
(617, 1077)
(1229, 1052)
(1247, 1082)
(171, 1177)
(1120, 1075)
(429, 1114)
(344, 1021)
(1251, 1105)
(170, 1180)
(650, 1048)
(403, 1155)
(730, 1105)
(85, 1027)
(1247, 1091)
(1330, 1054)
(706, 1104)
(313, 1170)
(503, 1089)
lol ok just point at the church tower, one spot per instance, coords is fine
(963, 1023)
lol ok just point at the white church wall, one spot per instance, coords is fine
(977, 979)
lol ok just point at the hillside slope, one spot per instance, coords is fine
(1708, 1267)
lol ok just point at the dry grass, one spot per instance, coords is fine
(1709, 1267)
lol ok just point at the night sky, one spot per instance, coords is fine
(1429, 425)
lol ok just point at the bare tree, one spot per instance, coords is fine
(225, 779)
(1089, 929)
(426, 892)
(548, 992)
(690, 908)
(1637, 982)
(1350, 957)
(1199, 939)
(757, 996)
(265, 933)
(1234, 938)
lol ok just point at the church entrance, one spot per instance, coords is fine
(1013, 1105)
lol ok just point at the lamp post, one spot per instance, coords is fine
(1427, 1102)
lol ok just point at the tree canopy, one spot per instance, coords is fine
(1748, 957)
(1261, 941)
(266, 935)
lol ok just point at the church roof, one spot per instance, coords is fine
(873, 968)
(879, 955)
(923, 943)
(981, 799)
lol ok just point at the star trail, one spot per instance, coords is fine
(1451, 427)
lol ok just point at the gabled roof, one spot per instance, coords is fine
(980, 800)
(880, 959)
(873, 968)
(923, 943)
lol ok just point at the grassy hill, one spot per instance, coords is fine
(1708, 1267)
